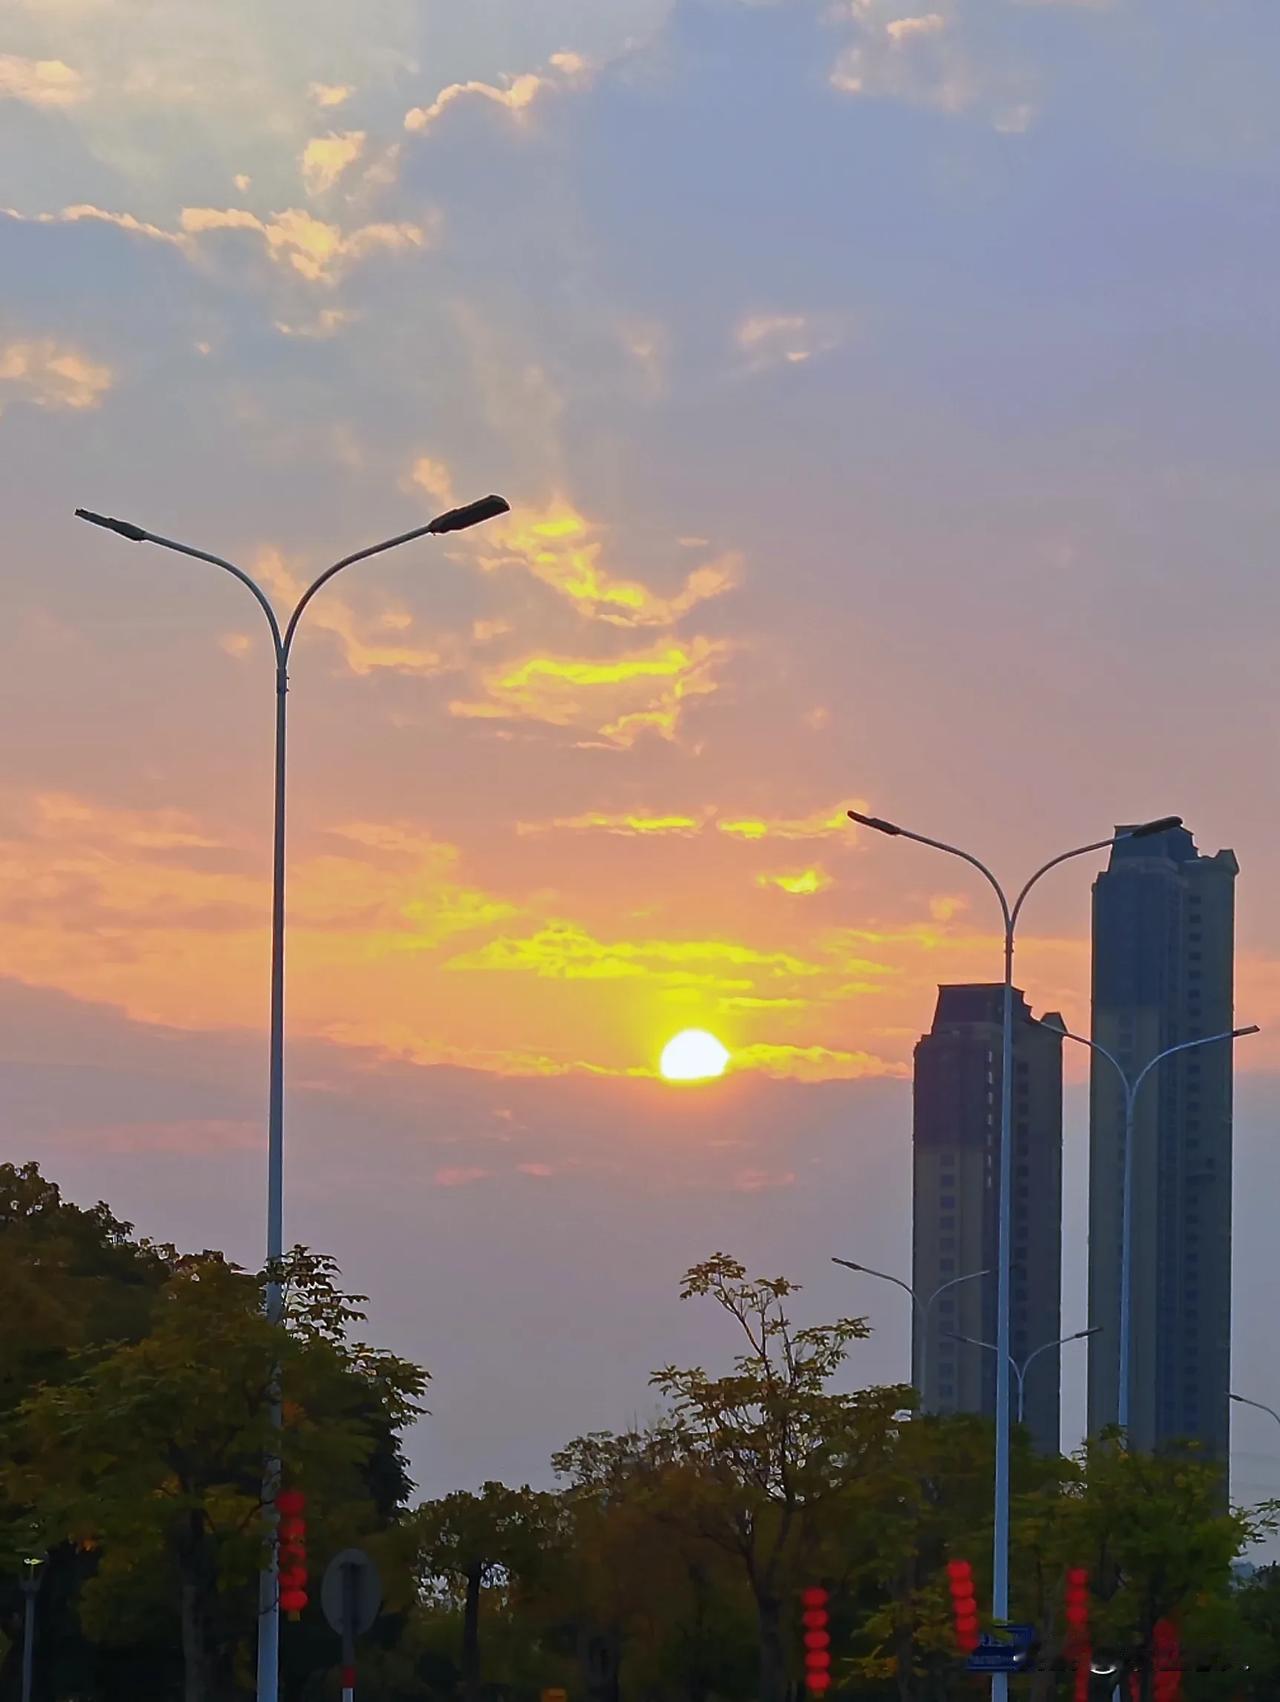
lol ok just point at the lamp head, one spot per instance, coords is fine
(849, 1264)
(471, 514)
(126, 528)
(1146, 829)
(875, 822)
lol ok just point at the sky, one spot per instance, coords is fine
(886, 401)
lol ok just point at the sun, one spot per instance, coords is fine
(693, 1055)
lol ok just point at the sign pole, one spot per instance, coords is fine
(350, 1585)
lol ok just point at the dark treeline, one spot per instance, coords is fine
(667, 1565)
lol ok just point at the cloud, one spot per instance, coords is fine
(435, 478)
(770, 339)
(327, 323)
(325, 158)
(560, 547)
(310, 247)
(617, 700)
(52, 375)
(459, 1175)
(801, 884)
(516, 94)
(925, 60)
(635, 825)
(760, 1181)
(367, 645)
(40, 82)
(814, 1063)
(821, 824)
(329, 94)
(564, 951)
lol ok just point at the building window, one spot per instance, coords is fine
(947, 1222)
(948, 1202)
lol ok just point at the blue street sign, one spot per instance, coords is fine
(993, 1655)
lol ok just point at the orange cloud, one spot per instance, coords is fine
(329, 94)
(364, 648)
(48, 374)
(615, 701)
(814, 1063)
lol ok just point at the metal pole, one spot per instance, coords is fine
(269, 1582)
(29, 1588)
(1000, 1538)
(348, 1633)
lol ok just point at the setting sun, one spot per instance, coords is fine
(693, 1055)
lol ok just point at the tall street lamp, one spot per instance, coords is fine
(29, 1584)
(1131, 1084)
(922, 1307)
(1009, 913)
(455, 520)
(1020, 1371)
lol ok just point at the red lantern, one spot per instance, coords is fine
(964, 1605)
(817, 1639)
(291, 1503)
(293, 1601)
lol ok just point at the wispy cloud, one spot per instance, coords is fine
(802, 883)
(819, 824)
(634, 824)
(771, 339)
(49, 374)
(328, 95)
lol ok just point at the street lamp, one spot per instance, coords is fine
(455, 520)
(1131, 1084)
(923, 1307)
(1020, 1371)
(1009, 913)
(29, 1584)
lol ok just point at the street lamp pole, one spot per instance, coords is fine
(455, 520)
(1131, 1084)
(1020, 1371)
(923, 1307)
(29, 1584)
(1009, 913)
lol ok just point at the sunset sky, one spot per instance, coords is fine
(887, 405)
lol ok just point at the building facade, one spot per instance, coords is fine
(1163, 966)
(955, 1218)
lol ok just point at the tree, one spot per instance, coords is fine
(469, 1541)
(153, 1452)
(763, 1457)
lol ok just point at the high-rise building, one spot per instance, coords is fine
(1163, 956)
(956, 1142)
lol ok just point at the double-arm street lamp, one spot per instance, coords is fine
(455, 520)
(1131, 1084)
(1010, 914)
(1020, 1370)
(923, 1308)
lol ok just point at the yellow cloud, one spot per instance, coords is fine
(803, 883)
(435, 478)
(820, 825)
(560, 547)
(327, 323)
(329, 94)
(48, 374)
(615, 700)
(325, 158)
(633, 825)
(40, 82)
